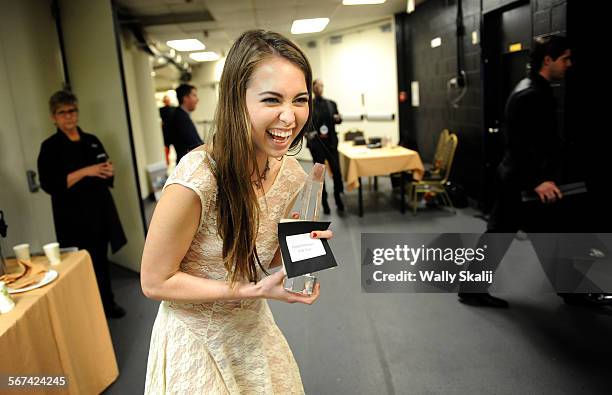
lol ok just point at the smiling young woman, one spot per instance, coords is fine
(213, 235)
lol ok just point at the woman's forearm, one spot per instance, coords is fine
(186, 288)
(75, 177)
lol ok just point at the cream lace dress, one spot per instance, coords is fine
(223, 347)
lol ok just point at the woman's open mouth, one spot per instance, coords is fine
(280, 136)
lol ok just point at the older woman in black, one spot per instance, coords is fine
(75, 170)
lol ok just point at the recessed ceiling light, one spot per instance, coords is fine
(410, 6)
(190, 44)
(207, 56)
(362, 2)
(302, 26)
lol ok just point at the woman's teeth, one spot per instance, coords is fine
(280, 136)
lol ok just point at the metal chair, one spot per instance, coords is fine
(436, 184)
(432, 170)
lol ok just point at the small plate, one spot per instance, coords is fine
(49, 277)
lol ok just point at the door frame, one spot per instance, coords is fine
(491, 44)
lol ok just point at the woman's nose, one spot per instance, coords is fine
(287, 116)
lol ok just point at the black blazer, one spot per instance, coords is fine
(165, 114)
(85, 214)
(323, 114)
(183, 134)
(533, 143)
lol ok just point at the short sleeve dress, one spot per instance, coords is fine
(223, 347)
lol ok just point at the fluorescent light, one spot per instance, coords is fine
(219, 69)
(204, 56)
(362, 2)
(410, 6)
(302, 26)
(190, 44)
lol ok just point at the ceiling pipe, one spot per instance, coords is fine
(135, 27)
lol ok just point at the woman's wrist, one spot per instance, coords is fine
(249, 291)
(82, 173)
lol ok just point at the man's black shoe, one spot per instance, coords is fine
(482, 299)
(591, 300)
(114, 311)
(339, 203)
(326, 210)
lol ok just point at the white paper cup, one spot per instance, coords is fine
(52, 251)
(22, 251)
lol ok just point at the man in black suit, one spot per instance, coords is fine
(531, 163)
(323, 141)
(183, 133)
(165, 113)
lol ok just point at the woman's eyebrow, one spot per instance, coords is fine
(279, 95)
(270, 93)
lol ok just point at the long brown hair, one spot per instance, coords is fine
(233, 150)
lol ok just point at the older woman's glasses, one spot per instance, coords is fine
(65, 113)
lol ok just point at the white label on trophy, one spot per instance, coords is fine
(303, 247)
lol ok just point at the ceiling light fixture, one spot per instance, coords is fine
(207, 56)
(190, 44)
(303, 26)
(362, 2)
(410, 6)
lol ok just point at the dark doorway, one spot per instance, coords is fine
(506, 40)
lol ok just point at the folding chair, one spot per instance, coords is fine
(436, 183)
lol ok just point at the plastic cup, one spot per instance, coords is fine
(22, 251)
(52, 251)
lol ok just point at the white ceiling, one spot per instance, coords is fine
(166, 19)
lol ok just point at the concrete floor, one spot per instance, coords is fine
(351, 342)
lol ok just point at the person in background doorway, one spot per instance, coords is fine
(184, 135)
(323, 141)
(75, 170)
(165, 113)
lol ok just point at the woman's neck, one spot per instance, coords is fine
(72, 134)
(262, 164)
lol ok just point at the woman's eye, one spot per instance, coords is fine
(301, 100)
(270, 100)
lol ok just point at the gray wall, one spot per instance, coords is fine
(95, 76)
(432, 68)
(30, 70)
(144, 115)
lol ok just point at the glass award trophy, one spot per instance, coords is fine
(310, 210)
